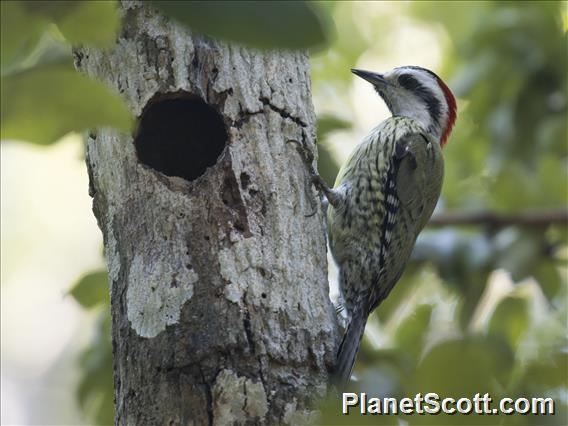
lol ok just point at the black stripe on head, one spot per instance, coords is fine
(386, 99)
(432, 103)
(414, 67)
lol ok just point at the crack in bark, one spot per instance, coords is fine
(244, 116)
(232, 199)
(245, 395)
(247, 325)
(221, 99)
(283, 113)
(263, 380)
(208, 396)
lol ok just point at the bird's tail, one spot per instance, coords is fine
(348, 349)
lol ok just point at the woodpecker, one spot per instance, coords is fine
(384, 195)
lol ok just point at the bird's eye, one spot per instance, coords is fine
(408, 82)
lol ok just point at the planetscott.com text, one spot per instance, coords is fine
(432, 403)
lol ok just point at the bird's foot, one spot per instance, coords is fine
(341, 315)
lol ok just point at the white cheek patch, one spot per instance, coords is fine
(407, 104)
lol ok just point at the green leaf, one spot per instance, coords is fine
(411, 333)
(19, 33)
(463, 367)
(262, 24)
(510, 320)
(95, 387)
(329, 123)
(80, 22)
(51, 10)
(91, 22)
(42, 104)
(91, 290)
(547, 275)
(548, 373)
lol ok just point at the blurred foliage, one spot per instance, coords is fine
(511, 69)
(57, 100)
(265, 25)
(43, 97)
(95, 390)
(80, 22)
(327, 164)
(479, 309)
(91, 290)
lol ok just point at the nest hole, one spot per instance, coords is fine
(180, 135)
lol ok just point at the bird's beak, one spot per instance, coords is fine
(371, 77)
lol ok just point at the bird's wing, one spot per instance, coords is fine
(412, 188)
(419, 177)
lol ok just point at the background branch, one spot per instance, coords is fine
(535, 218)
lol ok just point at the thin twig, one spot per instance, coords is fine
(535, 218)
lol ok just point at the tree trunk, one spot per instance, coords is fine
(218, 278)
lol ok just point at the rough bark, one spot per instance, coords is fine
(218, 285)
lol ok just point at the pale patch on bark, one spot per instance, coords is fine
(113, 259)
(237, 399)
(293, 416)
(240, 265)
(156, 293)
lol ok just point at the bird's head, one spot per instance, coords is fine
(416, 93)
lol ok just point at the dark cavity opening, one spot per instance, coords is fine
(180, 135)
